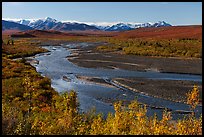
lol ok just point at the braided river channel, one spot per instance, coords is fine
(55, 65)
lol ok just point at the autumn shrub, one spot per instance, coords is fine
(62, 117)
(193, 98)
(185, 47)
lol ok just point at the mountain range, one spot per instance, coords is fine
(7, 25)
(52, 24)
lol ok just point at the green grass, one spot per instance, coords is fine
(165, 48)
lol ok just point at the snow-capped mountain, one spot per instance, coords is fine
(144, 25)
(52, 24)
(101, 27)
(129, 26)
(43, 24)
(119, 27)
(24, 22)
(8, 25)
(160, 24)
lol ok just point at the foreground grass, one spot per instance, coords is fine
(31, 107)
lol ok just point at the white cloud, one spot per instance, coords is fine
(93, 23)
(100, 23)
(11, 19)
(17, 19)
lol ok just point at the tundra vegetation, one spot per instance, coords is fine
(183, 47)
(30, 106)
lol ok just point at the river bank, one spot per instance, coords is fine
(91, 58)
(166, 89)
(174, 90)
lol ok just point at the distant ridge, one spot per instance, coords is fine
(7, 25)
(52, 24)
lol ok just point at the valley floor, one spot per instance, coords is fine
(168, 89)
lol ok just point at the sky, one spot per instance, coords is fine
(103, 13)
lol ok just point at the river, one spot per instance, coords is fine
(55, 65)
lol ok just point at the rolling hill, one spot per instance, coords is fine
(171, 32)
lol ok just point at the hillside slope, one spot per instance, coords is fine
(170, 32)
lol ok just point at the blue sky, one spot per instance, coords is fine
(176, 13)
